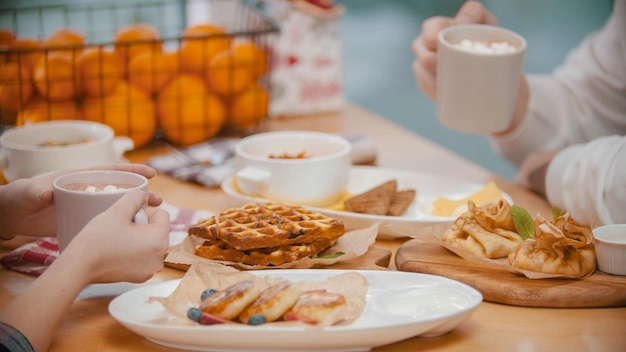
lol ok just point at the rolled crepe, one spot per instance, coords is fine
(561, 247)
(487, 231)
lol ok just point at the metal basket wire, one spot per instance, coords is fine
(28, 92)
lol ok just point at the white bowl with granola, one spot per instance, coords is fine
(298, 167)
(44, 147)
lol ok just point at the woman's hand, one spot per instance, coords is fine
(111, 247)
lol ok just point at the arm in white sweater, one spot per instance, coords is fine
(589, 180)
(568, 114)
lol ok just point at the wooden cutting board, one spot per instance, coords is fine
(501, 286)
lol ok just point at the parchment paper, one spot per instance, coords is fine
(353, 244)
(202, 275)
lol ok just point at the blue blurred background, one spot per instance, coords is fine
(377, 38)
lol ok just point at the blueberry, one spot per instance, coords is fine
(208, 292)
(194, 314)
(256, 319)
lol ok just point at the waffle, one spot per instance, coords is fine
(267, 225)
(219, 250)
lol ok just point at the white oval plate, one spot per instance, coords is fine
(362, 178)
(399, 305)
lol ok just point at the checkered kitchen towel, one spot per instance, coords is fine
(212, 162)
(34, 258)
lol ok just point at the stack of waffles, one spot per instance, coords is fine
(266, 234)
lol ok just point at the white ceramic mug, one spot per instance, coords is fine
(24, 155)
(74, 208)
(318, 179)
(477, 90)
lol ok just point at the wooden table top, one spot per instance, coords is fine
(89, 327)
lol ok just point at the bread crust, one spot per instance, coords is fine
(219, 250)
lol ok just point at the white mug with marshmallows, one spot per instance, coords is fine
(80, 196)
(479, 68)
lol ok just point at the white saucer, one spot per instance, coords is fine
(362, 178)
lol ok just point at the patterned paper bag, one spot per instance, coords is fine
(307, 66)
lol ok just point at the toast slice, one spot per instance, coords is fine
(401, 201)
(375, 201)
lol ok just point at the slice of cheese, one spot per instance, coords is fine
(446, 207)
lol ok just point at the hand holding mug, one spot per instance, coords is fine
(81, 196)
(475, 91)
(27, 204)
(425, 45)
(479, 70)
(113, 247)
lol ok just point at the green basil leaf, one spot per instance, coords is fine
(524, 223)
(329, 256)
(556, 213)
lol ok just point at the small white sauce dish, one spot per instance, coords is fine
(610, 244)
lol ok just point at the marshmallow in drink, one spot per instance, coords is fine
(485, 47)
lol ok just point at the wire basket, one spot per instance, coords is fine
(184, 70)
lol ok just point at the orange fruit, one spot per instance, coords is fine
(249, 108)
(16, 86)
(134, 39)
(187, 112)
(55, 77)
(66, 40)
(229, 74)
(25, 50)
(7, 117)
(7, 36)
(200, 44)
(40, 109)
(98, 72)
(150, 71)
(253, 56)
(128, 110)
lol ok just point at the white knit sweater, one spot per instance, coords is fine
(579, 111)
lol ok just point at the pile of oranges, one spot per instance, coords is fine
(211, 81)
